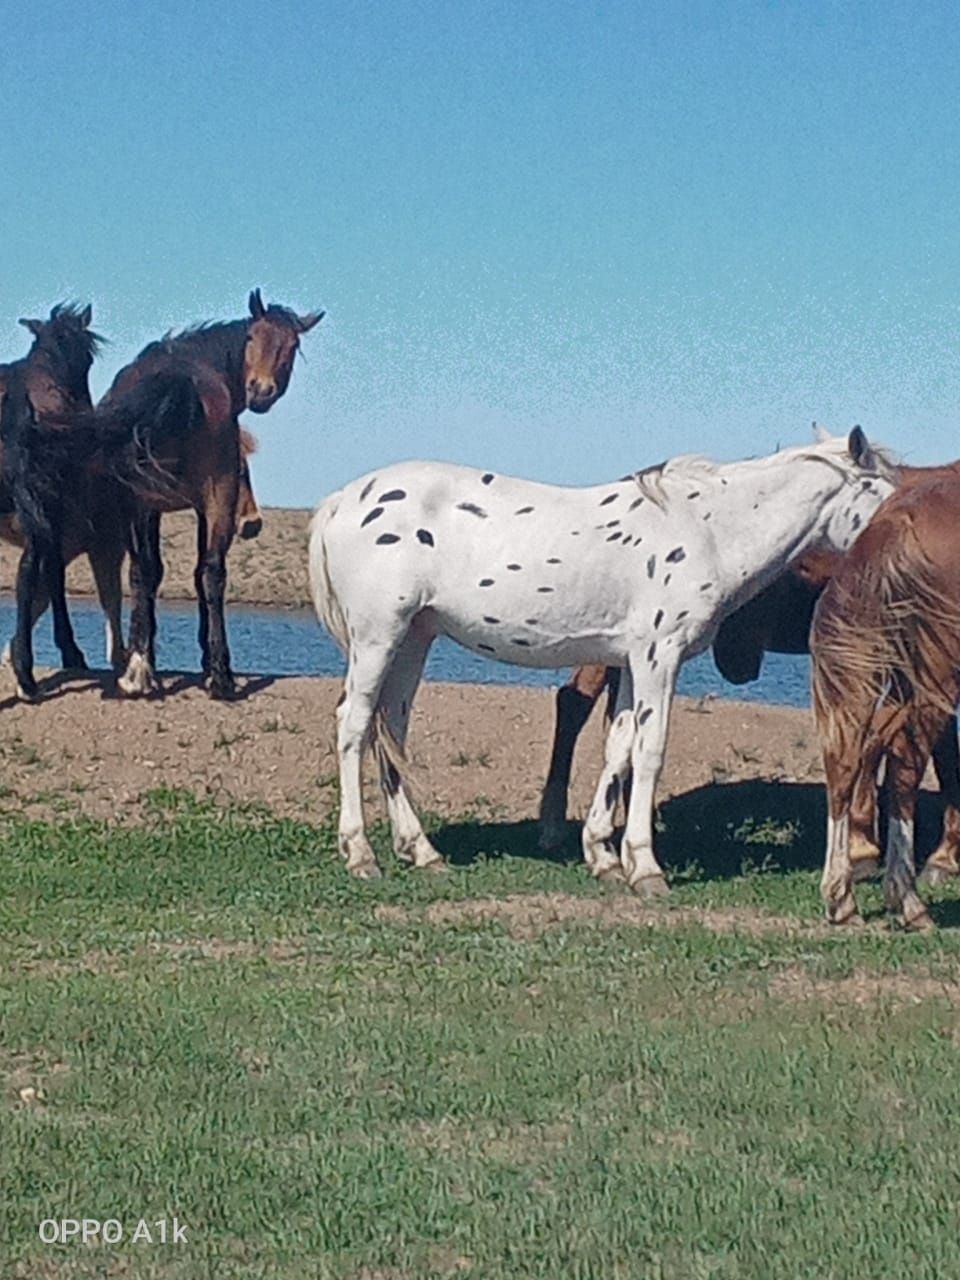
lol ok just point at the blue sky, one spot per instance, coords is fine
(560, 239)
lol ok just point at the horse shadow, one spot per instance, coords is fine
(709, 833)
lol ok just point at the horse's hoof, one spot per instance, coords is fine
(366, 871)
(612, 874)
(28, 692)
(933, 874)
(138, 679)
(917, 920)
(864, 869)
(844, 912)
(650, 887)
(223, 690)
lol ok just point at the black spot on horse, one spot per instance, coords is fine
(611, 524)
(523, 511)
(657, 618)
(627, 540)
(666, 581)
(472, 508)
(676, 555)
(426, 537)
(492, 621)
(706, 586)
(683, 614)
(524, 644)
(487, 478)
(386, 538)
(544, 590)
(365, 492)
(514, 567)
(652, 652)
(532, 622)
(574, 533)
(393, 495)
(645, 715)
(635, 503)
(615, 536)
(487, 648)
(611, 497)
(612, 793)
(371, 515)
(486, 582)
(708, 515)
(651, 566)
(856, 522)
(695, 494)
(553, 560)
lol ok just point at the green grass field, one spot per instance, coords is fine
(204, 1017)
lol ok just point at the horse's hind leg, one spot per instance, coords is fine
(366, 671)
(106, 561)
(944, 862)
(220, 517)
(598, 852)
(575, 701)
(395, 703)
(906, 763)
(146, 573)
(21, 654)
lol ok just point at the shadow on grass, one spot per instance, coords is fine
(707, 833)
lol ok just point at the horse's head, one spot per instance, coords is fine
(273, 339)
(68, 342)
(249, 517)
(870, 478)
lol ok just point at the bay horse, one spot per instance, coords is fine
(169, 433)
(635, 574)
(777, 620)
(94, 525)
(38, 395)
(886, 681)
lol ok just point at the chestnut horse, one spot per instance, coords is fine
(39, 393)
(886, 680)
(777, 620)
(170, 434)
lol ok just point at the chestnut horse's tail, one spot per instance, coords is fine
(885, 628)
(325, 599)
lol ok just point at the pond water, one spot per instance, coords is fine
(291, 642)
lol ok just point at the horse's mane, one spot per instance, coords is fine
(66, 322)
(216, 339)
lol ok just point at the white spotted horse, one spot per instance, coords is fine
(635, 574)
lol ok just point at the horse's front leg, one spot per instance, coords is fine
(654, 677)
(203, 624)
(220, 506)
(575, 701)
(55, 575)
(105, 553)
(21, 649)
(944, 863)
(146, 573)
(598, 851)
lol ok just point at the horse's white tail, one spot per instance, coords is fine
(324, 597)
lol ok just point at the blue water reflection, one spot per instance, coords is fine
(290, 642)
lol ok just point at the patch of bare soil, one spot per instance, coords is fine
(529, 915)
(480, 749)
(897, 988)
(268, 570)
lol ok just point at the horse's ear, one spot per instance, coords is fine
(257, 309)
(858, 446)
(820, 434)
(306, 323)
(86, 315)
(35, 326)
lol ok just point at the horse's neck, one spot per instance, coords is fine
(764, 517)
(53, 388)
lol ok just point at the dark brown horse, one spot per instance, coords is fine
(886, 663)
(38, 395)
(170, 434)
(94, 526)
(777, 620)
